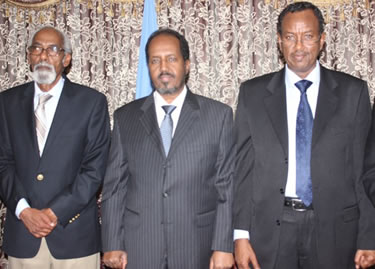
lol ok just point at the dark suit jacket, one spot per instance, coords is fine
(180, 205)
(72, 164)
(369, 167)
(345, 219)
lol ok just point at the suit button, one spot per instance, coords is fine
(165, 195)
(282, 191)
(277, 222)
(40, 177)
(286, 160)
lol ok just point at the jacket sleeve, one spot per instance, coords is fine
(76, 196)
(244, 167)
(223, 229)
(114, 192)
(11, 189)
(366, 230)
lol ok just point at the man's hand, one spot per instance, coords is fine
(37, 222)
(364, 258)
(244, 254)
(116, 259)
(221, 260)
(51, 215)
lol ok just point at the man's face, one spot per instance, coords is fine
(47, 69)
(166, 65)
(300, 41)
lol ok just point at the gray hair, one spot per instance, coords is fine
(66, 41)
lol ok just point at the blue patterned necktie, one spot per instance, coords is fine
(304, 129)
(166, 128)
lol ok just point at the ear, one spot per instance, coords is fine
(279, 40)
(29, 61)
(66, 60)
(187, 67)
(322, 40)
(280, 45)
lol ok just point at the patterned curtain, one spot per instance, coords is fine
(230, 41)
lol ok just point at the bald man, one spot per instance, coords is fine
(54, 143)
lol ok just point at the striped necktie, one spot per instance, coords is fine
(40, 120)
(166, 128)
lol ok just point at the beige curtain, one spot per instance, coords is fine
(230, 41)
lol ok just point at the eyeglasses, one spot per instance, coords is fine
(52, 51)
(307, 39)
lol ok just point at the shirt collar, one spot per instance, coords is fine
(314, 76)
(55, 91)
(178, 101)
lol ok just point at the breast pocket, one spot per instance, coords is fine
(203, 149)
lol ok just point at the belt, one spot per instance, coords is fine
(296, 204)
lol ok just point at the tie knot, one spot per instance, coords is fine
(168, 109)
(43, 98)
(303, 85)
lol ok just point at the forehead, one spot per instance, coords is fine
(164, 44)
(48, 36)
(300, 21)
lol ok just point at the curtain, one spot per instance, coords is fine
(230, 41)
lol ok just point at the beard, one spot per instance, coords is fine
(165, 90)
(46, 75)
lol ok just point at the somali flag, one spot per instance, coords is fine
(149, 25)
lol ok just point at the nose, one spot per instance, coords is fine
(163, 65)
(44, 54)
(299, 43)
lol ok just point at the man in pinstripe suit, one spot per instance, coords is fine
(169, 207)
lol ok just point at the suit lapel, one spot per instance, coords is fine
(326, 105)
(275, 105)
(150, 123)
(63, 112)
(27, 104)
(189, 115)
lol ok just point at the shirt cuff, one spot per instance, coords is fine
(240, 234)
(21, 205)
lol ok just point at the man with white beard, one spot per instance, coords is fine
(54, 143)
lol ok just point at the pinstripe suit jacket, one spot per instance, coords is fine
(179, 205)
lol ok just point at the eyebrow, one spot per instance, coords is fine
(38, 43)
(168, 55)
(305, 32)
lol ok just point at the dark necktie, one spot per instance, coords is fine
(166, 128)
(304, 129)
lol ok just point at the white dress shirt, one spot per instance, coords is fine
(178, 102)
(293, 95)
(50, 108)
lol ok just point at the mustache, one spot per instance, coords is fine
(165, 74)
(299, 52)
(43, 64)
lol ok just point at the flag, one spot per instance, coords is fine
(149, 25)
